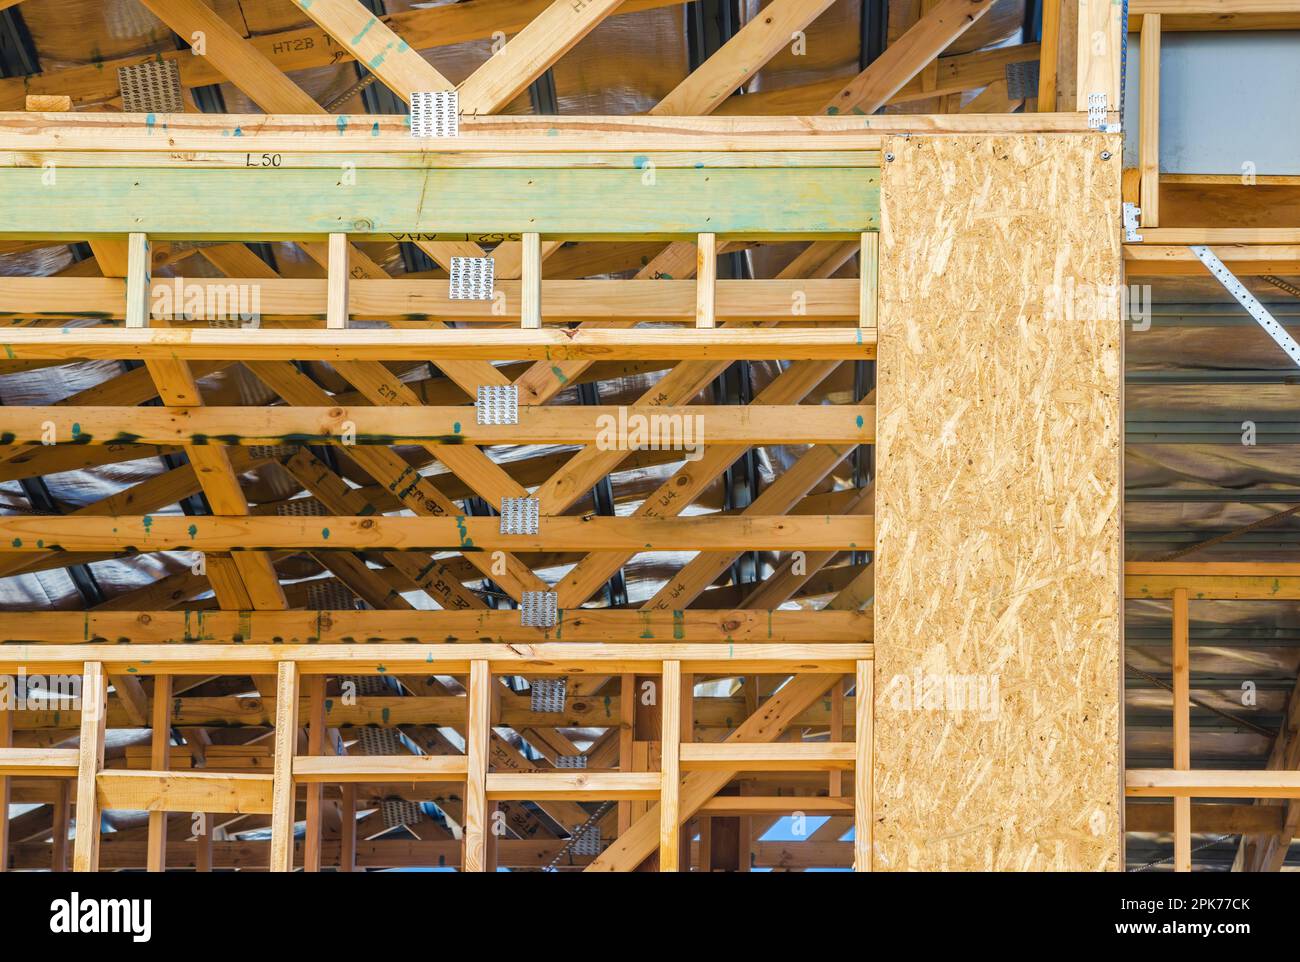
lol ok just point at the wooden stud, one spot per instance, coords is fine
(869, 280)
(139, 280)
(835, 779)
(6, 741)
(530, 288)
(336, 313)
(1149, 120)
(863, 781)
(94, 714)
(61, 820)
(286, 740)
(626, 738)
(477, 735)
(1099, 47)
(348, 832)
(311, 849)
(159, 758)
(670, 775)
(1048, 55)
(706, 280)
(203, 845)
(1181, 667)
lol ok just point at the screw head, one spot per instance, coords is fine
(1105, 155)
(889, 158)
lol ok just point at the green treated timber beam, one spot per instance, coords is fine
(560, 204)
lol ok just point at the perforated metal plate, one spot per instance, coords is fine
(497, 404)
(300, 508)
(1247, 300)
(539, 609)
(398, 811)
(1098, 107)
(1131, 214)
(472, 278)
(380, 741)
(586, 842)
(570, 761)
(520, 515)
(1022, 80)
(330, 596)
(272, 451)
(435, 113)
(152, 87)
(367, 684)
(548, 695)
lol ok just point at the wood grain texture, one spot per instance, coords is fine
(998, 502)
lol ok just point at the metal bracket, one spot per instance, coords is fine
(497, 404)
(1022, 79)
(547, 696)
(539, 609)
(472, 278)
(152, 87)
(435, 113)
(1247, 300)
(1131, 214)
(520, 515)
(1098, 107)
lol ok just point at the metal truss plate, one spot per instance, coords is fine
(399, 811)
(539, 609)
(300, 508)
(547, 695)
(380, 741)
(1132, 213)
(1098, 107)
(570, 761)
(586, 842)
(472, 278)
(330, 596)
(435, 113)
(1022, 80)
(497, 404)
(1247, 300)
(272, 452)
(366, 685)
(152, 87)
(520, 515)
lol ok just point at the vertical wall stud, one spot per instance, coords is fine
(282, 793)
(670, 701)
(1149, 120)
(159, 760)
(478, 731)
(868, 283)
(336, 310)
(1182, 729)
(706, 280)
(139, 279)
(530, 290)
(94, 698)
(863, 781)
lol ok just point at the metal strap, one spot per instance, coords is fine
(547, 695)
(472, 278)
(1247, 300)
(435, 113)
(497, 404)
(520, 515)
(1132, 212)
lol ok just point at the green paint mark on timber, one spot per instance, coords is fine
(381, 669)
(342, 124)
(374, 129)
(384, 714)
(365, 30)
(325, 533)
(1277, 586)
(239, 131)
(18, 542)
(465, 540)
(456, 428)
(194, 529)
(832, 110)
(149, 121)
(679, 625)
(559, 375)
(147, 521)
(639, 161)
(608, 702)
(329, 705)
(860, 420)
(76, 430)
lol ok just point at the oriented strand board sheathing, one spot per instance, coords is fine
(998, 505)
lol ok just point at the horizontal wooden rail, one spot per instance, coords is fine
(337, 769)
(613, 427)
(718, 344)
(454, 659)
(344, 533)
(1226, 581)
(573, 786)
(152, 791)
(1207, 783)
(443, 628)
(43, 762)
(243, 299)
(773, 757)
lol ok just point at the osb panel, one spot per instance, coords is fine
(998, 505)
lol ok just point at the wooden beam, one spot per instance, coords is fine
(316, 770)
(6, 743)
(159, 759)
(908, 56)
(336, 313)
(241, 62)
(572, 786)
(311, 858)
(778, 757)
(1149, 120)
(742, 56)
(330, 533)
(864, 822)
(1180, 664)
(162, 792)
(869, 280)
(530, 287)
(286, 738)
(138, 281)
(529, 54)
(94, 699)
(1208, 783)
(670, 777)
(706, 280)
(477, 734)
(372, 41)
(1099, 50)
(723, 344)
